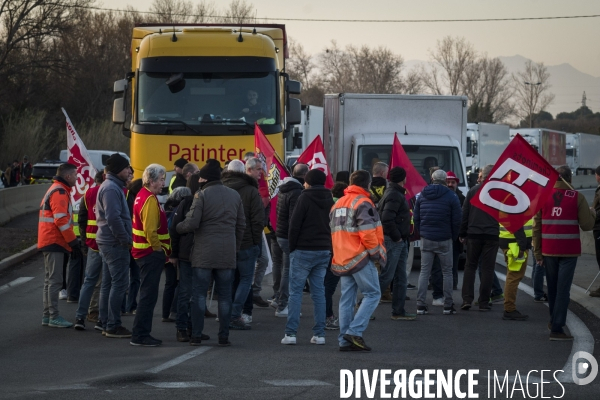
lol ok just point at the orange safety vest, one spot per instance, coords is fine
(352, 244)
(560, 224)
(141, 246)
(56, 217)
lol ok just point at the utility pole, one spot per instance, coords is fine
(583, 100)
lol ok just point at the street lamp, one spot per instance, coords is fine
(531, 100)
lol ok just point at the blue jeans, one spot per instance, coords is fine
(559, 277)
(367, 281)
(134, 285)
(395, 269)
(244, 263)
(311, 265)
(185, 294)
(284, 286)
(429, 250)
(537, 276)
(223, 282)
(75, 276)
(151, 267)
(93, 270)
(115, 280)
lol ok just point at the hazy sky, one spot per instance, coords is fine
(573, 41)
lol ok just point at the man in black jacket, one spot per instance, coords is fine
(310, 249)
(288, 195)
(395, 219)
(481, 233)
(247, 188)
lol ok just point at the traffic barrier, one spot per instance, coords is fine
(584, 181)
(587, 242)
(20, 200)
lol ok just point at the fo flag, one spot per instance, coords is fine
(517, 186)
(273, 172)
(79, 157)
(414, 180)
(314, 157)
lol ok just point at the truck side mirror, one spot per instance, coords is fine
(293, 87)
(294, 113)
(298, 140)
(120, 86)
(119, 111)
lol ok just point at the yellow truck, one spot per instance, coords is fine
(196, 91)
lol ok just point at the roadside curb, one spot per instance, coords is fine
(18, 258)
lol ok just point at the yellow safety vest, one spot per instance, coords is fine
(528, 228)
(171, 183)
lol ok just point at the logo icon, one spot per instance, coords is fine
(580, 367)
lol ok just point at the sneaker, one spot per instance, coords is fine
(283, 313)
(79, 324)
(489, 303)
(542, 299)
(514, 316)
(497, 299)
(410, 287)
(289, 339)
(465, 306)
(59, 322)
(317, 340)
(386, 298)
(147, 341)
(332, 324)
(357, 341)
(406, 298)
(404, 317)
(118, 332)
(127, 313)
(168, 319)
(350, 348)
(195, 341)
(247, 318)
(239, 325)
(62, 295)
(224, 342)
(485, 308)
(449, 310)
(274, 304)
(45, 321)
(208, 314)
(204, 337)
(259, 302)
(93, 317)
(72, 300)
(99, 326)
(595, 293)
(421, 310)
(560, 337)
(438, 302)
(182, 335)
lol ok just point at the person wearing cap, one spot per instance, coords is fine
(114, 242)
(218, 221)
(178, 179)
(26, 169)
(437, 217)
(452, 181)
(379, 183)
(310, 249)
(395, 219)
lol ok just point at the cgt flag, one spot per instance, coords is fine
(79, 157)
(517, 186)
(273, 173)
(414, 180)
(314, 157)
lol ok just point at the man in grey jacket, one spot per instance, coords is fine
(218, 222)
(114, 242)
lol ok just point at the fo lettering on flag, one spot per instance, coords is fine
(314, 157)
(517, 186)
(78, 156)
(414, 180)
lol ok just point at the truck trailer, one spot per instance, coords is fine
(583, 153)
(485, 144)
(549, 143)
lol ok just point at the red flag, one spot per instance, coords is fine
(517, 186)
(414, 180)
(273, 172)
(314, 157)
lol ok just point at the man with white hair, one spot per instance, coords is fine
(437, 217)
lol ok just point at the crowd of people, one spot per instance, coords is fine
(17, 173)
(214, 238)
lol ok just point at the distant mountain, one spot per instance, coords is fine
(568, 84)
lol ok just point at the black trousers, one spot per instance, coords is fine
(485, 250)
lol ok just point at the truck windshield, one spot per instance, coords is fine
(421, 157)
(207, 98)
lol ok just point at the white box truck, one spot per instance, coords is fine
(552, 145)
(485, 144)
(358, 130)
(310, 127)
(583, 153)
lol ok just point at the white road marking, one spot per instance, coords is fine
(177, 385)
(297, 382)
(76, 386)
(583, 340)
(178, 360)
(16, 282)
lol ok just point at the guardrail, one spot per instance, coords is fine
(584, 181)
(20, 200)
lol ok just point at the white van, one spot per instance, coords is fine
(98, 157)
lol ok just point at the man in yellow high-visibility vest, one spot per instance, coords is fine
(178, 179)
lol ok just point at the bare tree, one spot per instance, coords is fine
(449, 61)
(336, 69)
(531, 90)
(300, 65)
(239, 12)
(182, 11)
(413, 82)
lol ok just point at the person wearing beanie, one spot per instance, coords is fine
(218, 221)
(437, 217)
(114, 239)
(395, 219)
(310, 252)
(178, 179)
